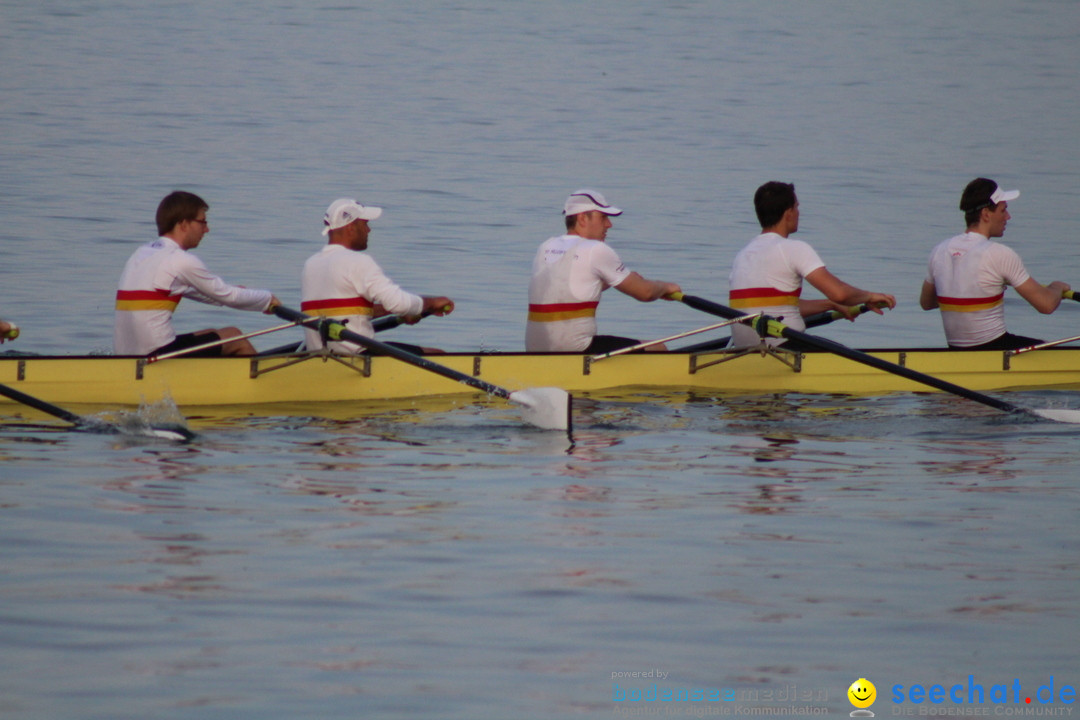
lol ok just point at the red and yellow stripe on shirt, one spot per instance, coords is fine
(146, 300)
(949, 304)
(554, 312)
(334, 307)
(763, 297)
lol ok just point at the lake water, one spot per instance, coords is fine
(440, 559)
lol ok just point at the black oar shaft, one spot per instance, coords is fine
(900, 370)
(49, 408)
(385, 349)
(827, 316)
(389, 322)
(860, 357)
(171, 431)
(386, 322)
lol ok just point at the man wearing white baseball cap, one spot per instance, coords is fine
(968, 273)
(344, 282)
(570, 272)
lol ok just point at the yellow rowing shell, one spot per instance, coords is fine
(119, 381)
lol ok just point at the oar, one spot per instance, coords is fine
(816, 320)
(215, 343)
(386, 322)
(669, 338)
(389, 322)
(827, 316)
(1042, 346)
(1070, 295)
(548, 408)
(167, 432)
(778, 329)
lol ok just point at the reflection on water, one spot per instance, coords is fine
(974, 457)
(405, 554)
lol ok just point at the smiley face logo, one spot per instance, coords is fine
(862, 693)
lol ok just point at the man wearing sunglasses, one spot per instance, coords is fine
(159, 274)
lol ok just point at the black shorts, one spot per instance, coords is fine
(190, 340)
(608, 343)
(1008, 341)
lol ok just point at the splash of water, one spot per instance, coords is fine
(161, 419)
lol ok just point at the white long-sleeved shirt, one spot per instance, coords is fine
(155, 278)
(346, 285)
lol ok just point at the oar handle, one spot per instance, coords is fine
(1070, 295)
(11, 332)
(386, 322)
(389, 322)
(827, 316)
(337, 331)
(777, 328)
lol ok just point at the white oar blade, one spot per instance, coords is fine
(161, 420)
(176, 434)
(547, 408)
(1060, 415)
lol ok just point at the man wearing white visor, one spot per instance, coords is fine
(570, 272)
(968, 273)
(342, 281)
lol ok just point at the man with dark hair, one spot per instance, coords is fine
(570, 271)
(968, 273)
(767, 274)
(162, 272)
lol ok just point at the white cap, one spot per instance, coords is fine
(346, 210)
(586, 200)
(1000, 195)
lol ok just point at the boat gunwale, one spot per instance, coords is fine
(124, 380)
(18, 355)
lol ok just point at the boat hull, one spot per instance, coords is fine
(117, 381)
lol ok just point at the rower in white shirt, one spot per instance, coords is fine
(159, 274)
(767, 275)
(343, 281)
